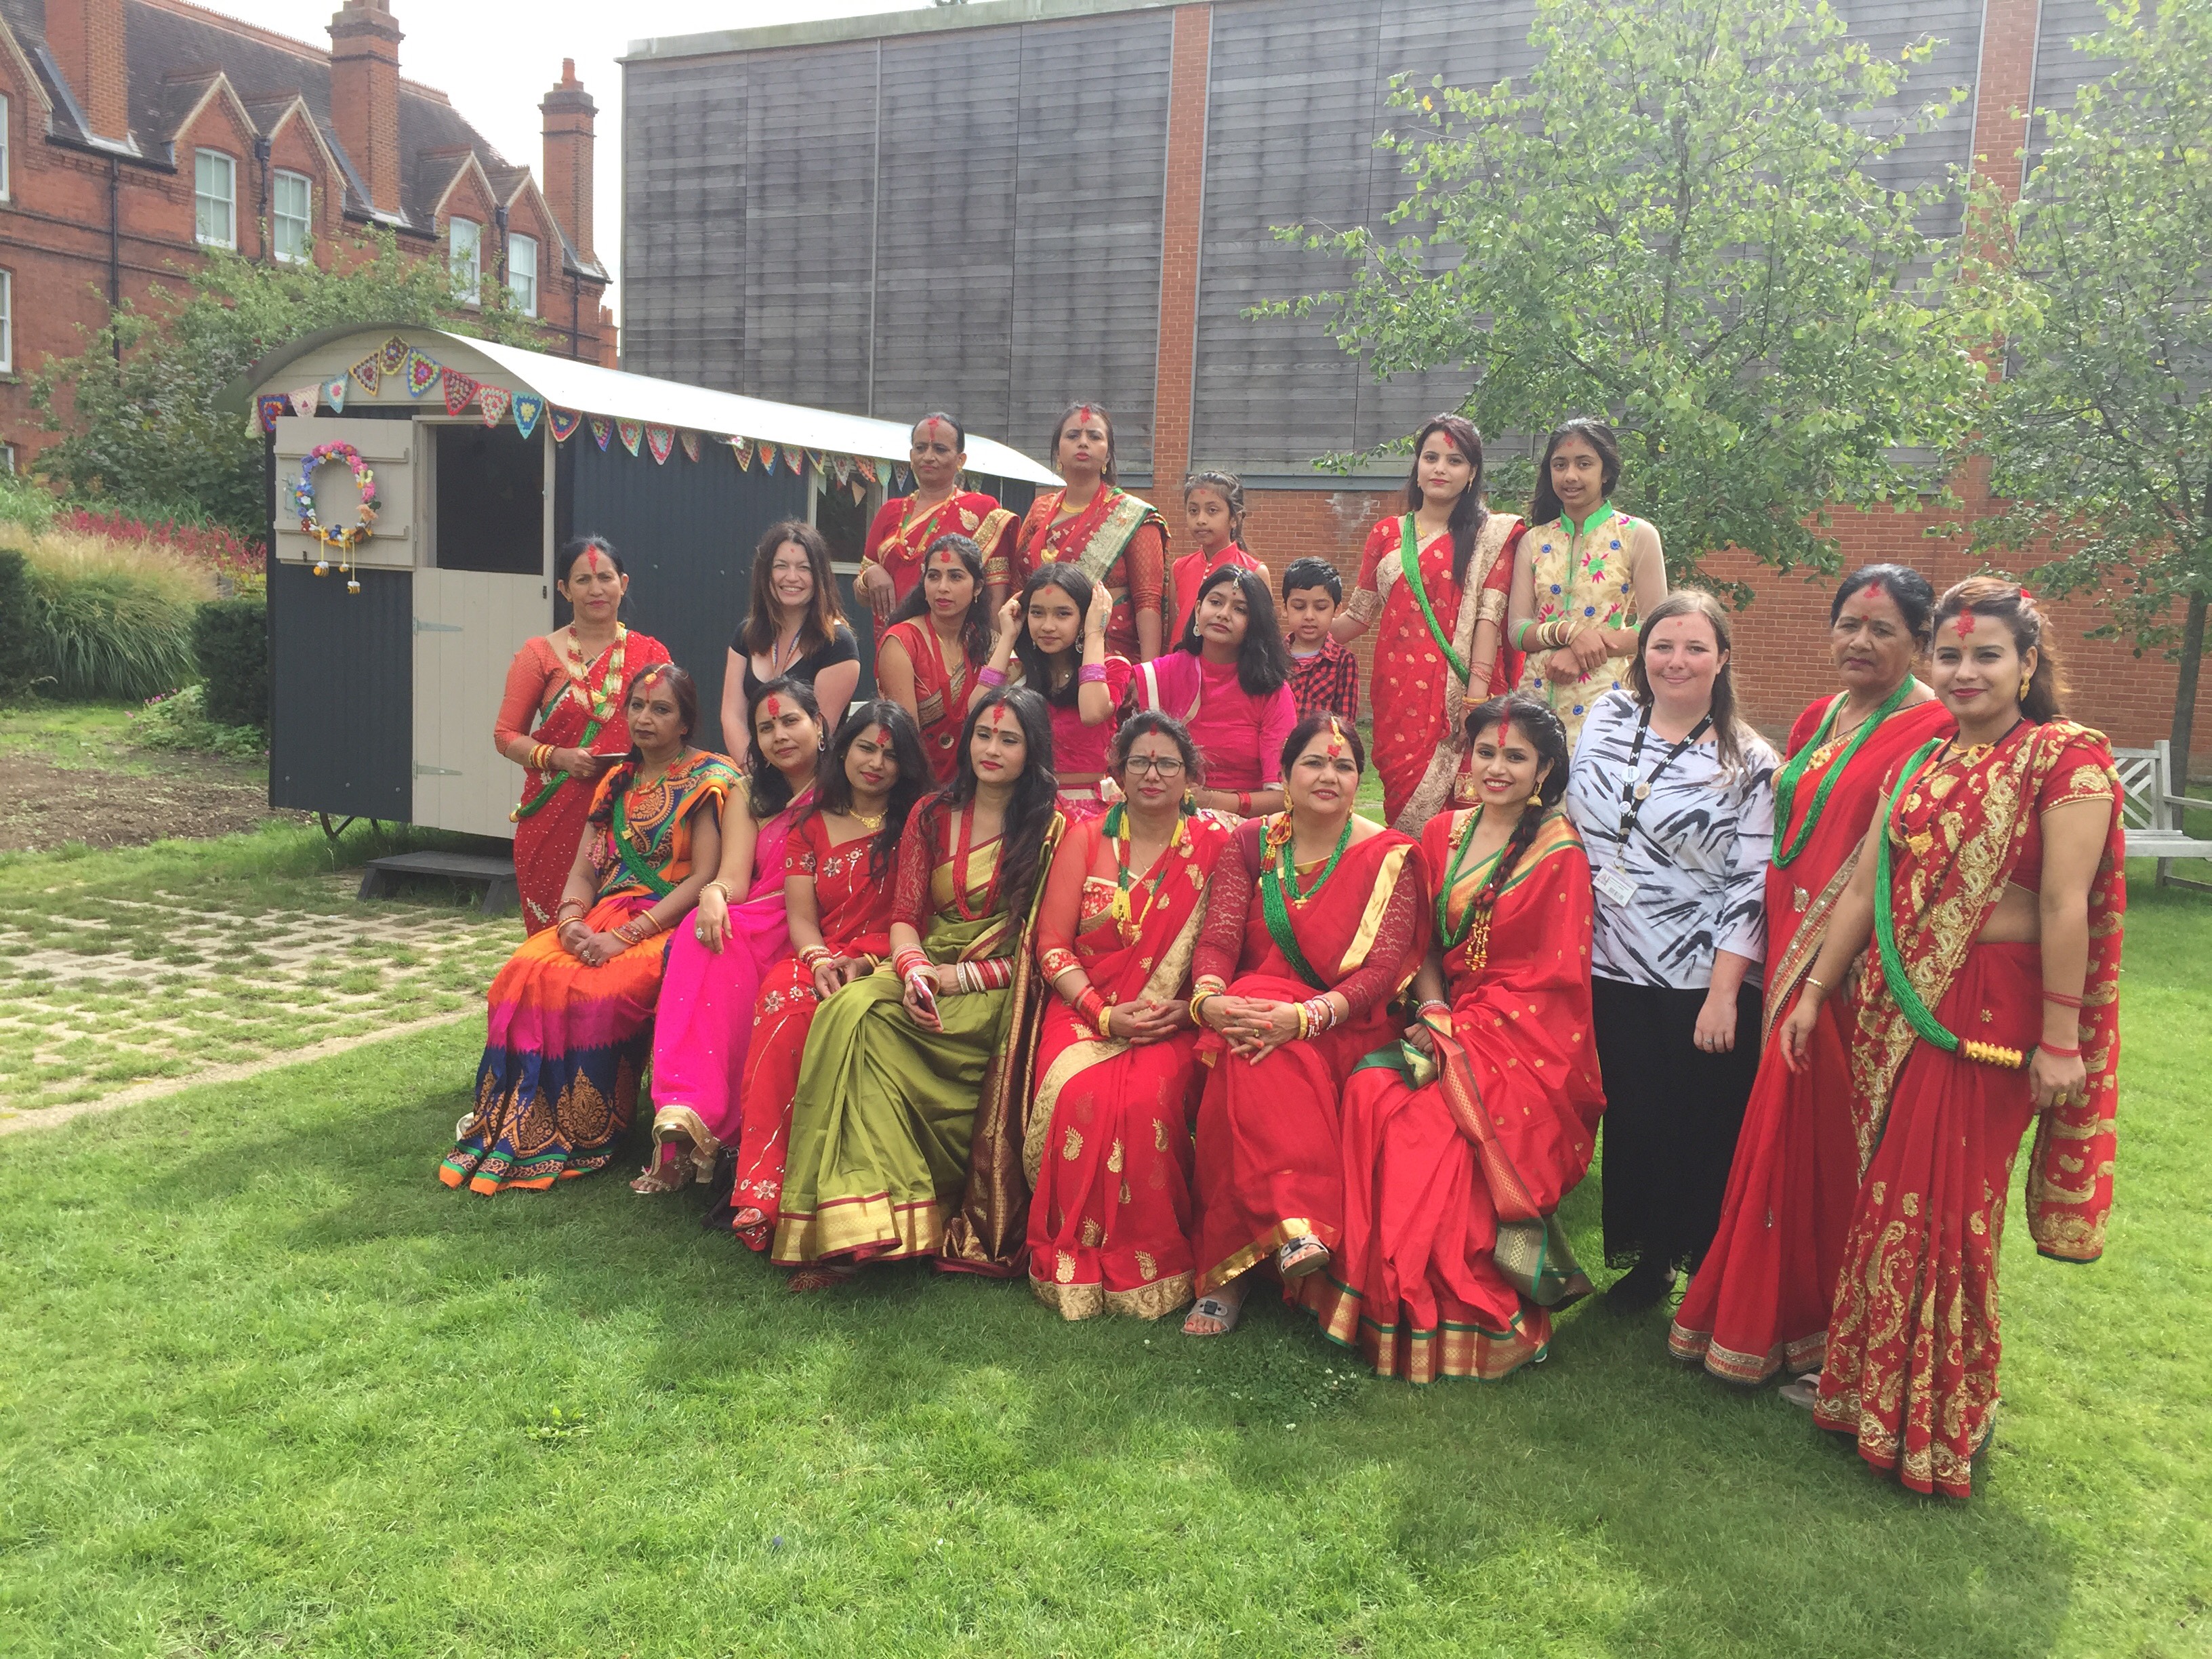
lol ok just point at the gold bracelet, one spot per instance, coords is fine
(1198, 1001)
(717, 886)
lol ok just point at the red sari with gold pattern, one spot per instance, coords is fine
(572, 705)
(1107, 1145)
(1453, 1256)
(1912, 1366)
(853, 907)
(941, 684)
(1414, 692)
(1759, 1301)
(1118, 539)
(1269, 1164)
(898, 538)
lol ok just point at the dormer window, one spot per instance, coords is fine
(464, 256)
(215, 199)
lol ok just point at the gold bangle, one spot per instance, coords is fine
(716, 886)
(1198, 1002)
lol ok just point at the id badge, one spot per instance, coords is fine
(1615, 886)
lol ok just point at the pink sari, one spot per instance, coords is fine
(704, 1025)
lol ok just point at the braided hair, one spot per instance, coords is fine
(1548, 737)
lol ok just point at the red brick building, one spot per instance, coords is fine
(995, 207)
(135, 134)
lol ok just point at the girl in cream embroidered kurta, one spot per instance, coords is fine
(1583, 577)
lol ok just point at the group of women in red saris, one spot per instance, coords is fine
(1071, 955)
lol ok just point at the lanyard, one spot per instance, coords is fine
(1633, 794)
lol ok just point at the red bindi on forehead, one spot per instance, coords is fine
(773, 708)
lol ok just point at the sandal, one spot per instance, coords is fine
(1802, 1392)
(1223, 1311)
(823, 1277)
(1301, 1256)
(671, 1171)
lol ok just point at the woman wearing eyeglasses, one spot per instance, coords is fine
(1108, 1140)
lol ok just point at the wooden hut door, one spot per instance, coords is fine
(484, 587)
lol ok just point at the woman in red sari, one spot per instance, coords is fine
(570, 683)
(1437, 578)
(1052, 635)
(1759, 1301)
(837, 869)
(1316, 918)
(1993, 880)
(1458, 1148)
(571, 1013)
(892, 557)
(939, 637)
(1119, 542)
(1107, 1145)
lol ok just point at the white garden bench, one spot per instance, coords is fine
(2155, 813)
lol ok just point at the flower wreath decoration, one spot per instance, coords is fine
(345, 537)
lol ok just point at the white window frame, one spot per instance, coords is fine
(525, 301)
(7, 322)
(468, 279)
(6, 150)
(278, 218)
(229, 202)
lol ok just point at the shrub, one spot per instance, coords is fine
(236, 564)
(24, 501)
(108, 620)
(16, 624)
(180, 720)
(230, 641)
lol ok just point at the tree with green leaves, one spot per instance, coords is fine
(1678, 221)
(2099, 435)
(138, 403)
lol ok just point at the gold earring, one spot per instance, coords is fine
(2026, 680)
(1536, 797)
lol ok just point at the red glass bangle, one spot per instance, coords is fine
(2062, 1053)
(2061, 999)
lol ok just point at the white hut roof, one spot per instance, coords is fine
(589, 389)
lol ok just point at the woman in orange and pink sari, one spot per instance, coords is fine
(1108, 1140)
(1459, 1146)
(1316, 918)
(1992, 882)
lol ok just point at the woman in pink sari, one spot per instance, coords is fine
(705, 1024)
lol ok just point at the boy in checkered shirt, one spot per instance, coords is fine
(1323, 673)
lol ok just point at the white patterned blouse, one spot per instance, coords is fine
(1690, 878)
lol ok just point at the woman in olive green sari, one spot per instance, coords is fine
(899, 1125)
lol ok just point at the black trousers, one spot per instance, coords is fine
(1672, 1112)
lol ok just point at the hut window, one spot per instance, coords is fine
(215, 199)
(464, 254)
(293, 198)
(522, 273)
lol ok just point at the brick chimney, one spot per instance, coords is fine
(85, 38)
(568, 109)
(365, 95)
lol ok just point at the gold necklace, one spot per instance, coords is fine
(870, 824)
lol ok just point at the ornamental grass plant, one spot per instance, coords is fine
(111, 618)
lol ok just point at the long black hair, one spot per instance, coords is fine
(1263, 662)
(1036, 669)
(1470, 512)
(976, 631)
(1544, 507)
(833, 790)
(1030, 809)
(1548, 735)
(767, 792)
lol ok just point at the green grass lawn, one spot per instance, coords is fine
(269, 1387)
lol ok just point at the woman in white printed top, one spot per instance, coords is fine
(1675, 798)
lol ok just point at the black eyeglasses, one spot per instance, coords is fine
(1158, 765)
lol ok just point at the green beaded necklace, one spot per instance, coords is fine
(1787, 849)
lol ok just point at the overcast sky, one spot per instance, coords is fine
(496, 58)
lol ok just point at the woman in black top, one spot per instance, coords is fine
(792, 626)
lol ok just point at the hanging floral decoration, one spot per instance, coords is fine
(346, 538)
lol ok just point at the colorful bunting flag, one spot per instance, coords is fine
(494, 401)
(741, 451)
(814, 460)
(393, 356)
(527, 408)
(269, 406)
(303, 400)
(422, 373)
(564, 423)
(767, 454)
(460, 391)
(866, 467)
(601, 428)
(661, 441)
(841, 466)
(690, 441)
(334, 394)
(859, 491)
(629, 432)
(368, 372)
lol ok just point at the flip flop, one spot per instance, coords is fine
(1213, 1306)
